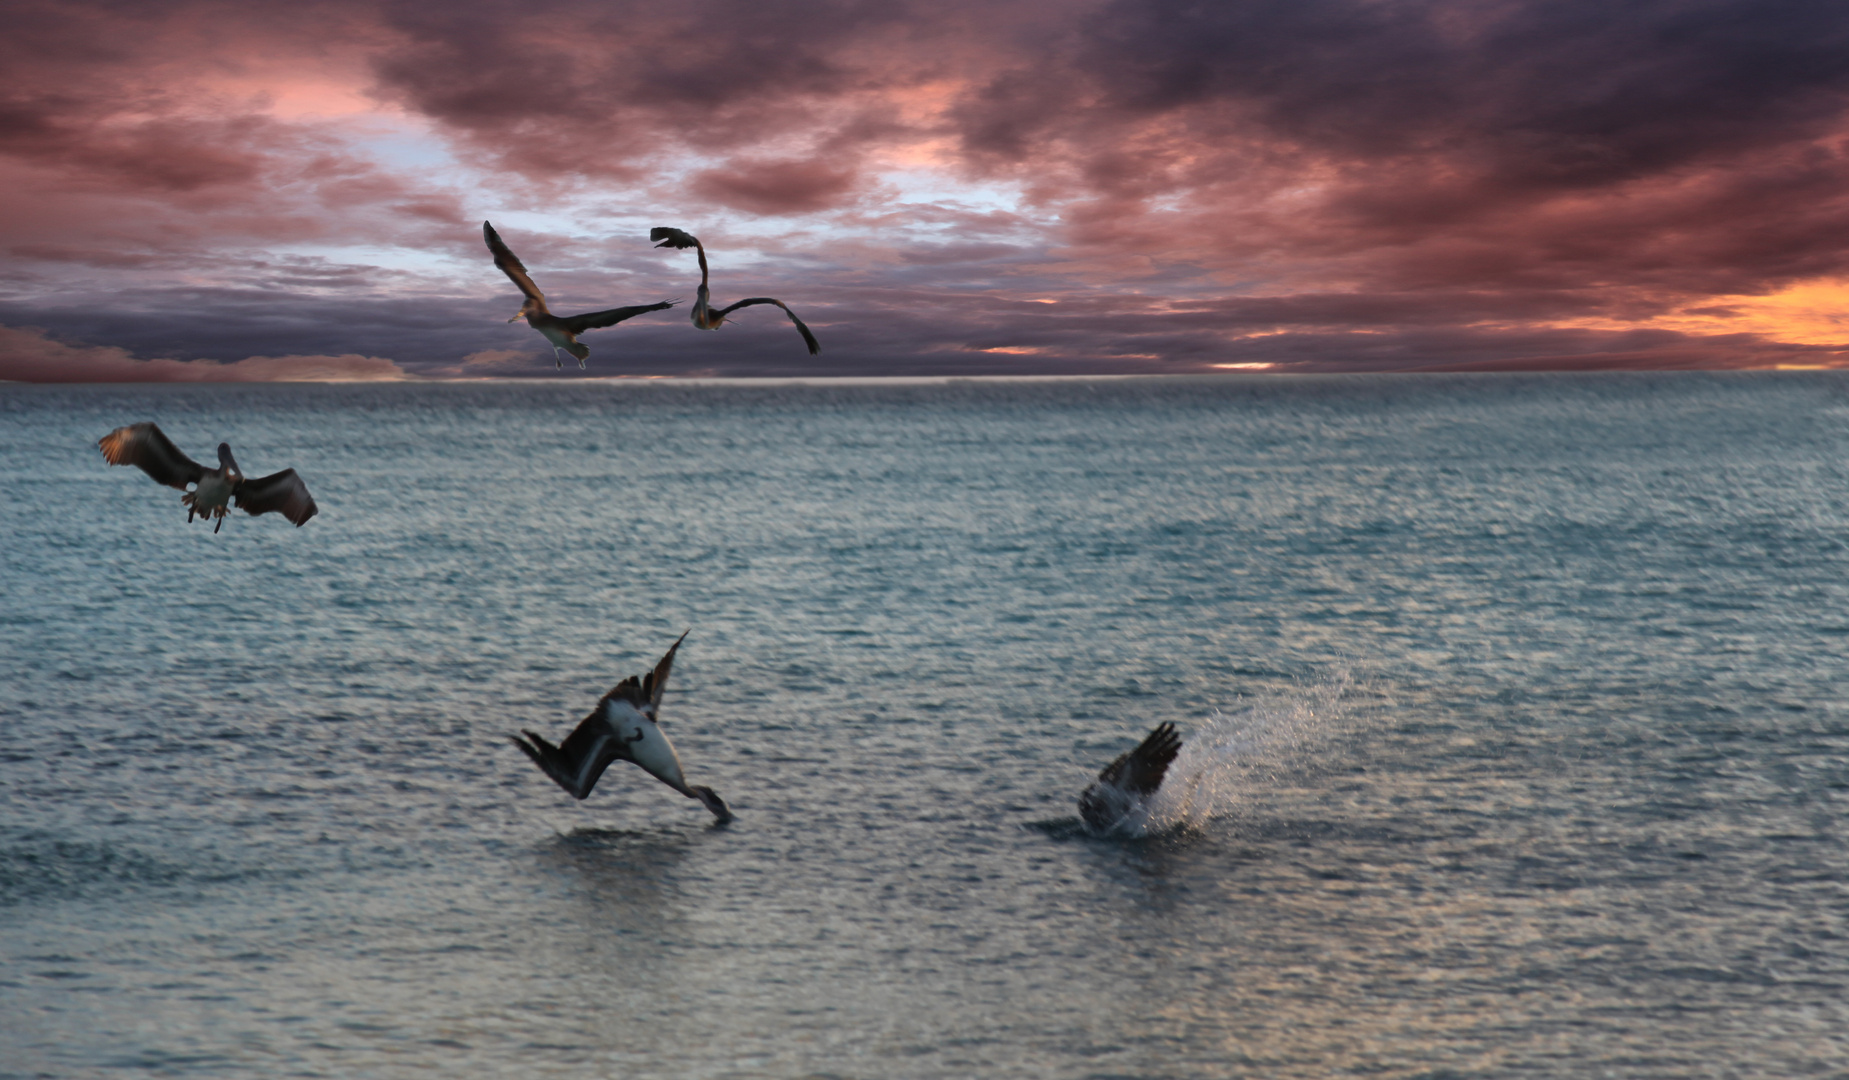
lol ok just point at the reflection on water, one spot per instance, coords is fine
(1513, 711)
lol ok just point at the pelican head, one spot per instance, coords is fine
(227, 462)
(711, 800)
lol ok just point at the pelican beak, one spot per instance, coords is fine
(516, 317)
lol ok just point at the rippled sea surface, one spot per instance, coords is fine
(1521, 699)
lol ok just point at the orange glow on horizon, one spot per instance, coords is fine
(1809, 313)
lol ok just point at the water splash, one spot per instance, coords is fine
(1235, 756)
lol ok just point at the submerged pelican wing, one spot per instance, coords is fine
(808, 338)
(145, 446)
(1134, 776)
(510, 264)
(281, 492)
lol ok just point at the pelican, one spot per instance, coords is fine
(1126, 784)
(561, 332)
(144, 445)
(621, 728)
(704, 317)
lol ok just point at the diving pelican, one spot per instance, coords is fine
(1126, 784)
(144, 445)
(704, 317)
(621, 728)
(561, 332)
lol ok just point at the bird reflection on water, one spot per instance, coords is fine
(624, 880)
(624, 904)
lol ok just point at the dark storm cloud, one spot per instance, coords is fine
(633, 83)
(1685, 144)
(1562, 93)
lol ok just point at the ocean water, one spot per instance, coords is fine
(1518, 742)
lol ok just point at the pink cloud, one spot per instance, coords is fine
(27, 355)
(775, 187)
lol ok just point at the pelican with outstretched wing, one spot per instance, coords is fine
(561, 331)
(1127, 783)
(704, 315)
(146, 446)
(623, 727)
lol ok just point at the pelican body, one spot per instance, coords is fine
(213, 490)
(622, 727)
(1126, 784)
(704, 315)
(560, 331)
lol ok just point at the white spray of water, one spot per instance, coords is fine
(1233, 756)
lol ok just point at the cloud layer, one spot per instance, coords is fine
(952, 188)
(29, 356)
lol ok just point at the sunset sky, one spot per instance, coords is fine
(951, 187)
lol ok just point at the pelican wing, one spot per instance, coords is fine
(577, 764)
(591, 320)
(808, 338)
(144, 446)
(510, 263)
(673, 238)
(1140, 771)
(1131, 778)
(645, 692)
(282, 492)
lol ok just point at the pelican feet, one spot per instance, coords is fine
(190, 500)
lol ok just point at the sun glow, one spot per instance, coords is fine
(1809, 313)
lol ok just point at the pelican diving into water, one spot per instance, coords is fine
(562, 332)
(621, 728)
(145, 446)
(704, 317)
(1127, 784)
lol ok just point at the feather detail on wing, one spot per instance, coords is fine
(282, 492)
(808, 338)
(143, 445)
(1140, 771)
(645, 692)
(510, 263)
(581, 760)
(1131, 778)
(592, 320)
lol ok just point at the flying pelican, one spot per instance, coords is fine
(561, 332)
(146, 446)
(704, 317)
(621, 728)
(1126, 784)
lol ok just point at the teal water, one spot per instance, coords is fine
(1518, 702)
